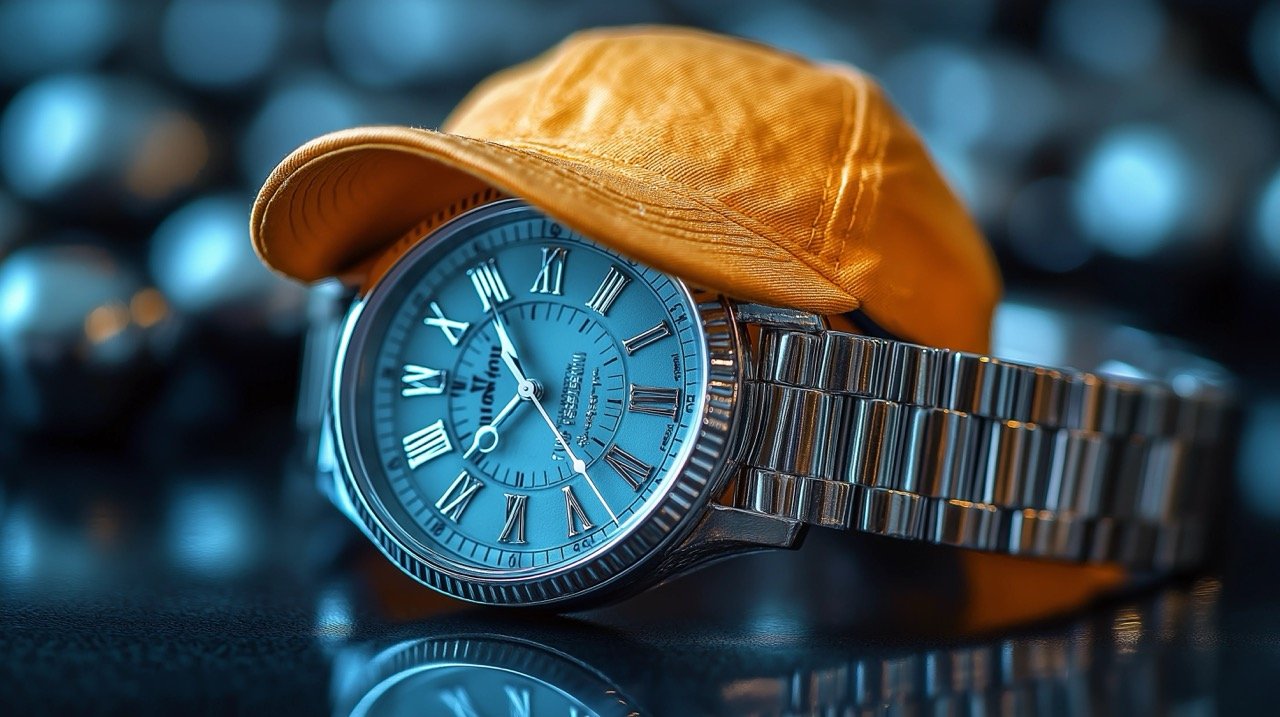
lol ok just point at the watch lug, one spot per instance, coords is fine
(724, 531)
(329, 304)
(778, 317)
(329, 471)
(724, 525)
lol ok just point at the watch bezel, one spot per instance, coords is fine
(701, 476)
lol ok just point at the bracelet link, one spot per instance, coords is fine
(966, 450)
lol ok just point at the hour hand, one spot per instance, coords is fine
(509, 355)
(492, 292)
(491, 431)
(504, 339)
(526, 388)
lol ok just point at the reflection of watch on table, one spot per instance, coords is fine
(1117, 660)
(519, 415)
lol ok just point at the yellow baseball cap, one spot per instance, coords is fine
(738, 167)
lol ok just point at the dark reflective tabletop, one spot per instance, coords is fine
(214, 584)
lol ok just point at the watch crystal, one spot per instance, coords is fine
(524, 396)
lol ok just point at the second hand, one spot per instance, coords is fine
(579, 466)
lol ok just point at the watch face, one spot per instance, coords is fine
(518, 400)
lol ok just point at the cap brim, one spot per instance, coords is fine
(343, 198)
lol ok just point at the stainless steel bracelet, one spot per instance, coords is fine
(959, 449)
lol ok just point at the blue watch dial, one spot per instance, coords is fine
(525, 394)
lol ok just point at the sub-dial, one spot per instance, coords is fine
(574, 369)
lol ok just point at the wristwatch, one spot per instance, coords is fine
(518, 415)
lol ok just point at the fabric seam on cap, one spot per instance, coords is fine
(827, 210)
(281, 177)
(401, 139)
(855, 102)
(861, 218)
(708, 203)
(408, 238)
(582, 182)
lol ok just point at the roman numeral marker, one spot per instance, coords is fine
(513, 529)
(661, 331)
(574, 514)
(654, 400)
(426, 444)
(489, 284)
(632, 469)
(607, 292)
(550, 278)
(519, 701)
(453, 330)
(459, 702)
(458, 496)
(422, 381)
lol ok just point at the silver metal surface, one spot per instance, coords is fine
(778, 317)
(959, 449)
(328, 302)
(725, 531)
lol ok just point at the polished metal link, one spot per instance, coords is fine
(959, 449)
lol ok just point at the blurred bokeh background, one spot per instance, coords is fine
(1120, 154)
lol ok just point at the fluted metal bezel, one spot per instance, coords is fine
(621, 566)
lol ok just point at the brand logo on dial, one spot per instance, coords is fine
(487, 385)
